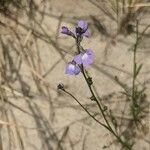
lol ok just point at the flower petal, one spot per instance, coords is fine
(78, 59)
(83, 25)
(87, 34)
(72, 69)
(88, 57)
(66, 31)
(77, 70)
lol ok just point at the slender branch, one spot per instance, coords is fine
(84, 108)
(108, 126)
(134, 73)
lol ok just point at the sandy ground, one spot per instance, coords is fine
(40, 117)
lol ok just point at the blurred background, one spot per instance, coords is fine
(34, 115)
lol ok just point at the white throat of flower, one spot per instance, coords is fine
(71, 66)
(84, 56)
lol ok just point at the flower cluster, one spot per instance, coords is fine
(80, 30)
(85, 56)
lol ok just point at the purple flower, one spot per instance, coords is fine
(72, 68)
(66, 31)
(86, 57)
(80, 30)
(83, 25)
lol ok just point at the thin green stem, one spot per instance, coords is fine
(134, 74)
(110, 129)
(103, 114)
(85, 109)
(108, 126)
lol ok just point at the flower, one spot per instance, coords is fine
(83, 25)
(80, 30)
(86, 57)
(66, 31)
(72, 68)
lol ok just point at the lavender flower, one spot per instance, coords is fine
(86, 57)
(80, 30)
(66, 31)
(72, 68)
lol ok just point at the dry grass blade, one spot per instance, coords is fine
(4, 123)
(138, 5)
